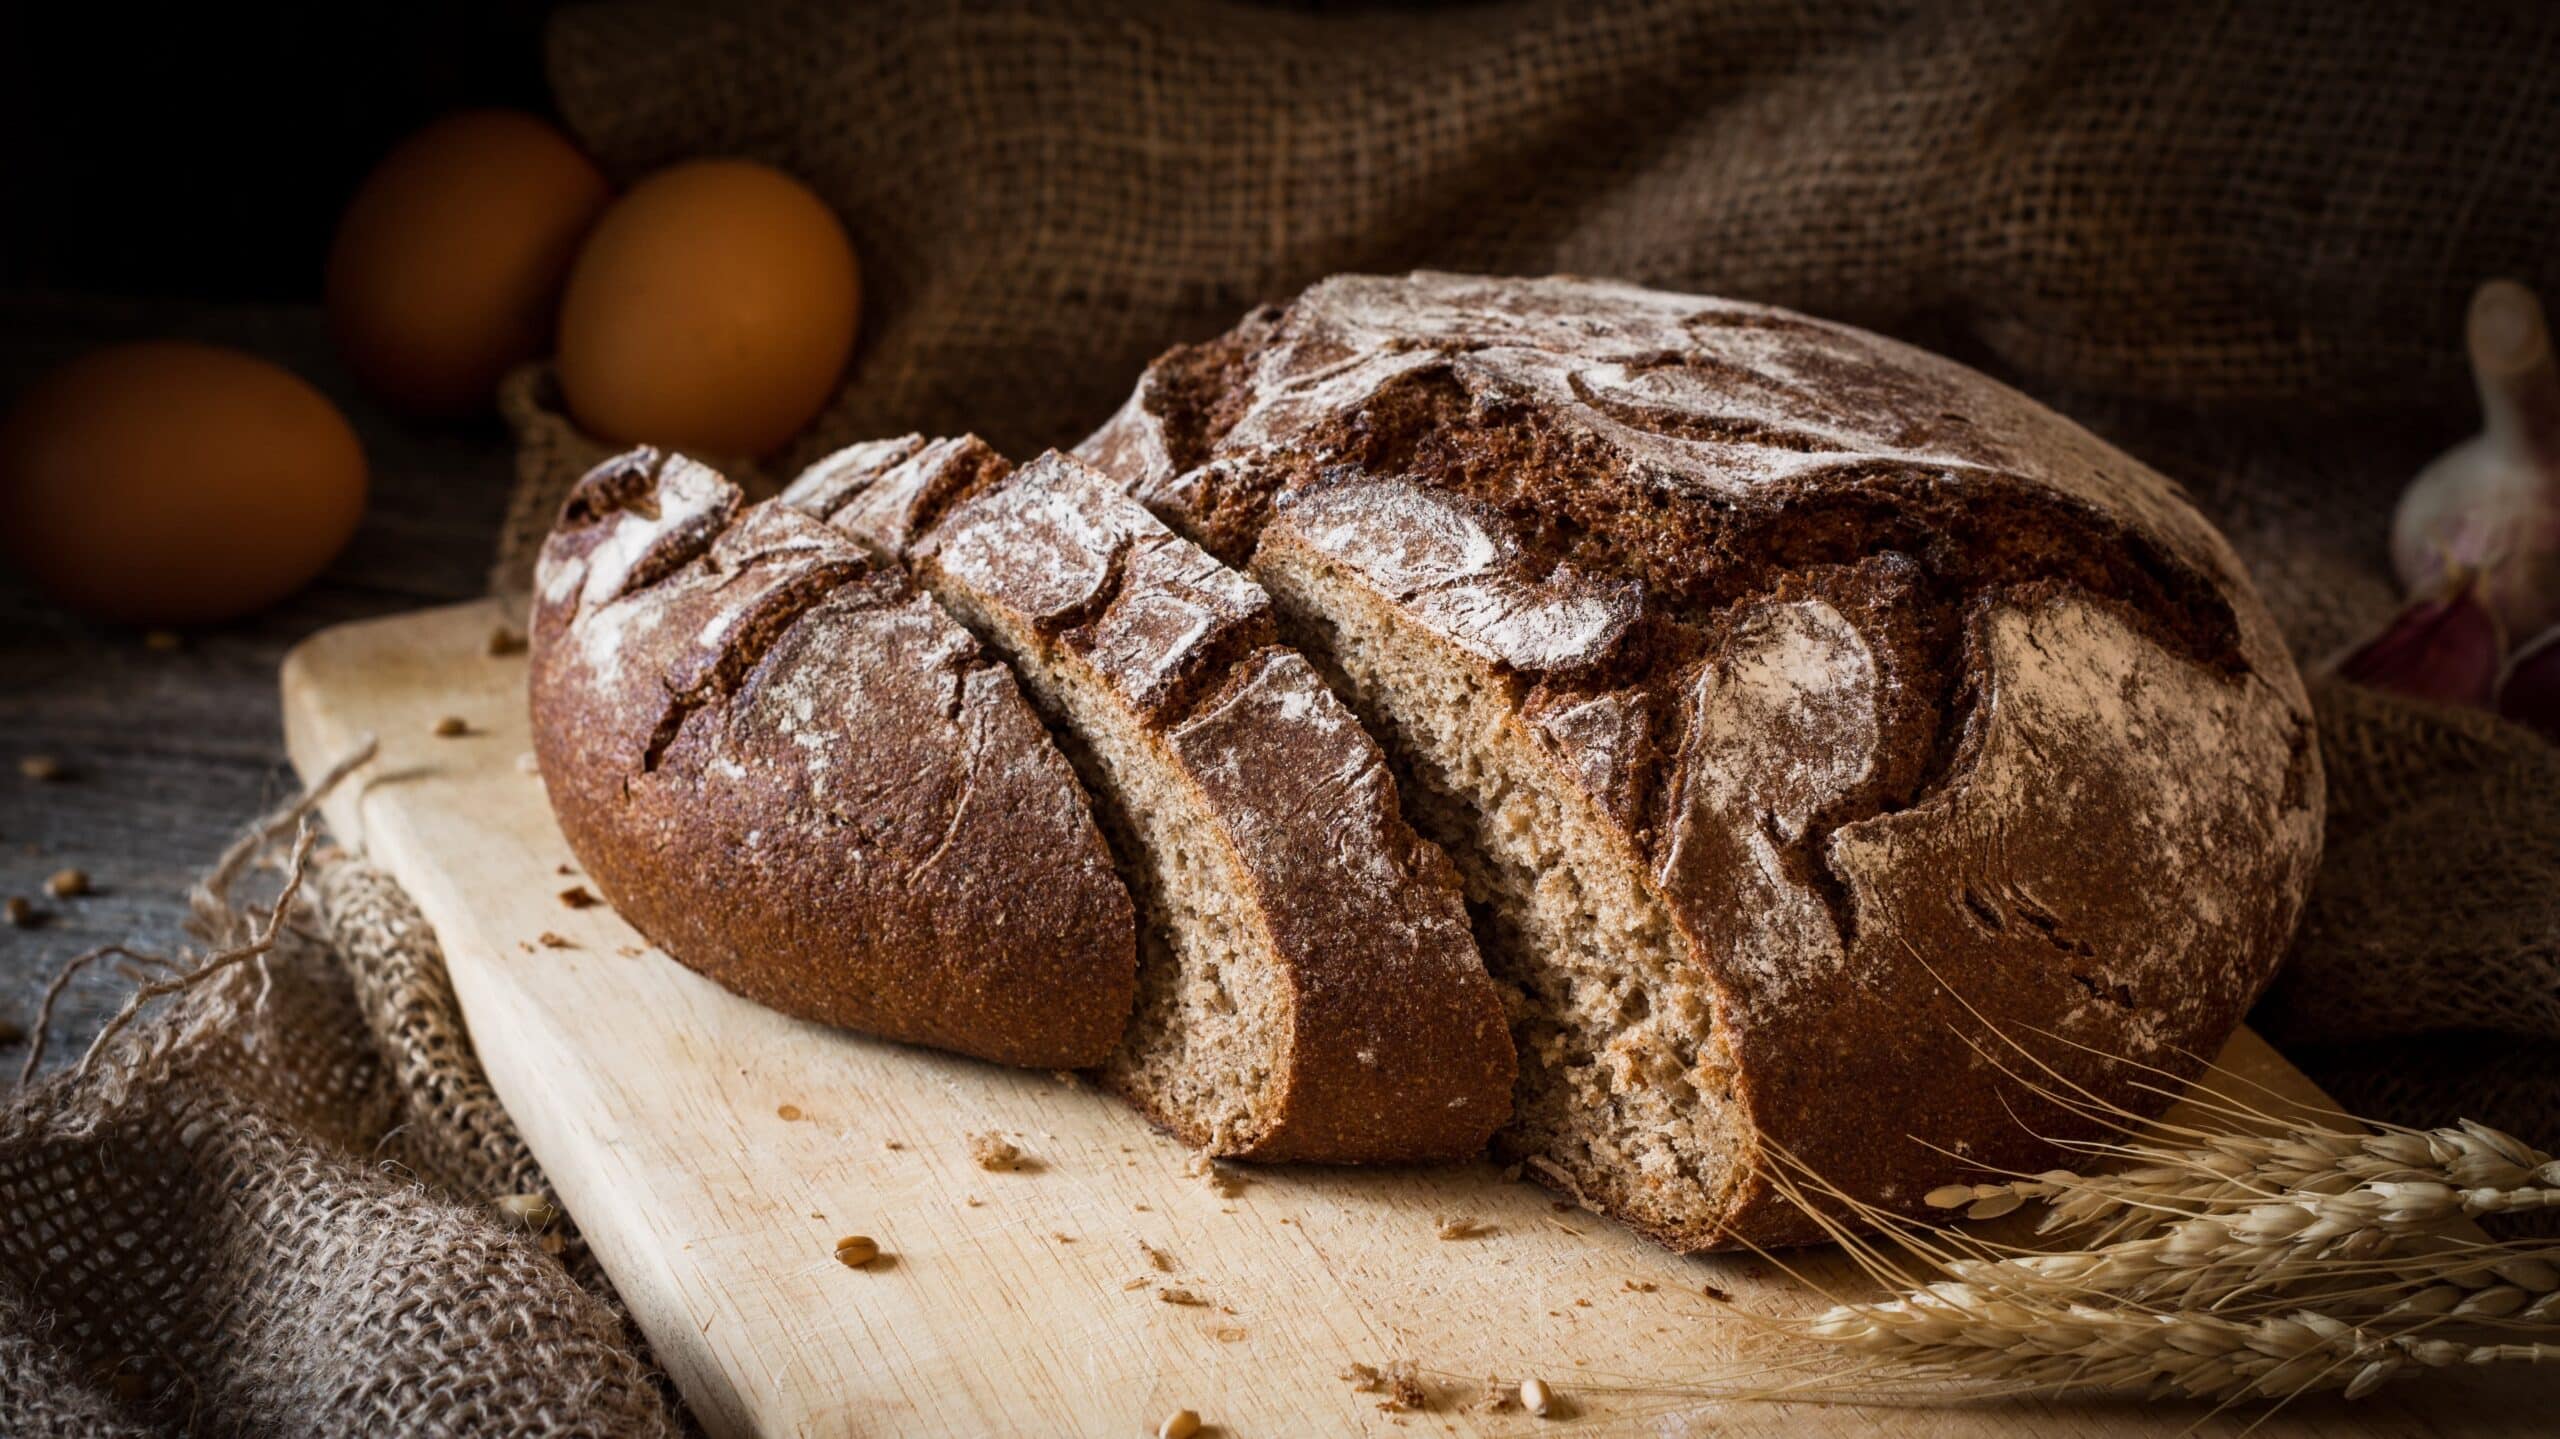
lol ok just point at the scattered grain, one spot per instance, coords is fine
(67, 883)
(42, 768)
(452, 726)
(1536, 1397)
(856, 1250)
(788, 1113)
(578, 896)
(529, 1211)
(20, 912)
(1180, 1424)
(1465, 1226)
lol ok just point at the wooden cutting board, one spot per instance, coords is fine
(712, 1152)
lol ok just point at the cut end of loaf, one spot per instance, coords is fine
(1625, 1094)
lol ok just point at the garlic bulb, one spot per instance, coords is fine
(2446, 649)
(2487, 512)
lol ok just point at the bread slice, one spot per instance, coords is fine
(1307, 985)
(792, 771)
(1625, 1098)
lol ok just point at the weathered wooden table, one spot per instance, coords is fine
(165, 753)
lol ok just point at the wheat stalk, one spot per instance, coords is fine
(2239, 1257)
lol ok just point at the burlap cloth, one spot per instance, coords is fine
(2236, 238)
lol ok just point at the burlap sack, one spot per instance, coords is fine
(2237, 239)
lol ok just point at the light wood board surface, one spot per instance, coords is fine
(1022, 1302)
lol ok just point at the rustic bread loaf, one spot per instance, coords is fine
(1797, 705)
(794, 773)
(1307, 986)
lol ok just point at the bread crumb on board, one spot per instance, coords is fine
(550, 940)
(1157, 1259)
(578, 896)
(1171, 1295)
(1218, 1177)
(1400, 1382)
(1465, 1226)
(996, 1154)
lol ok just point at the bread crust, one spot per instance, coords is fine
(1396, 1046)
(795, 774)
(1919, 707)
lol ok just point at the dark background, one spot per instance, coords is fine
(203, 152)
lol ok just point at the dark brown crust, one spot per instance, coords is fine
(1398, 1049)
(1597, 496)
(797, 776)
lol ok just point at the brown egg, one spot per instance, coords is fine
(175, 483)
(447, 267)
(711, 311)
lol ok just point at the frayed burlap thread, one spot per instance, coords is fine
(266, 1208)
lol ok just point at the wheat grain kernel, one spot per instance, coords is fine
(452, 727)
(856, 1250)
(67, 883)
(1180, 1424)
(1536, 1397)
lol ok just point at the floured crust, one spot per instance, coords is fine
(1396, 1047)
(795, 774)
(887, 493)
(1904, 693)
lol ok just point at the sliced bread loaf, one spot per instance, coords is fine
(792, 771)
(1307, 986)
